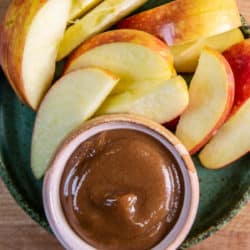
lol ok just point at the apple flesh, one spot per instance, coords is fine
(186, 56)
(131, 62)
(72, 100)
(30, 35)
(80, 7)
(211, 99)
(126, 35)
(184, 21)
(231, 142)
(162, 103)
(104, 16)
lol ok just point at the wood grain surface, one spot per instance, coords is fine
(19, 232)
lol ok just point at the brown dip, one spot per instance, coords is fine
(122, 189)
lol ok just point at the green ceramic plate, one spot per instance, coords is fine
(223, 192)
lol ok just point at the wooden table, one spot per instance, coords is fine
(19, 232)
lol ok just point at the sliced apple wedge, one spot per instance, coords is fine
(72, 100)
(161, 103)
(80, 7)
(231, 142)
(97, 20)
(184, 21)
(30, 35)
(126, 35)
(186, 56)
(131, 62)
(211, 99)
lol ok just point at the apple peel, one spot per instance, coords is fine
(28, 48)
(211, 99)
(73, 99)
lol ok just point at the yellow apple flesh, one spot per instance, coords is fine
(126, 35)
(231, 142)
(131, 62)
(80, 7)
(97, 20)
(30, 35)
(184, 21)
(72, 100)
(186, 56)
(162, 101)
(211, 99)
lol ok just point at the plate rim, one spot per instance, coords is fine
(189, 242)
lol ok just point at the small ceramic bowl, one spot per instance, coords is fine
(51, 198)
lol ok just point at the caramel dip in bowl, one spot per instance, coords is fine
(121, 182)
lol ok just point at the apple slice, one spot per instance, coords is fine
(211, 99)
(186, 56)
(30, 35)
(184, 21)
(133, 63)
(238, 57)
(161, 103)
(97, 20)
(80, 7)
(126, 35)
(231, 142)
(72, 100)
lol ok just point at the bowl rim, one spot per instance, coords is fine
(51, 187)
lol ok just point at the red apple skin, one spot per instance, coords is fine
(153, 20)
(238, 57)
(14, 28)
(182, 21)
(172, 124)
(227, 111)
(124, 35)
